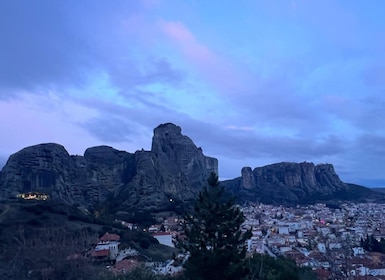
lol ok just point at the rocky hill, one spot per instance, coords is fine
(296, 183)
(171, 174)
(173, 171)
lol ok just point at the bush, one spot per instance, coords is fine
(144, 243)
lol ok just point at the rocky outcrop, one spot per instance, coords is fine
(49, 169)
(289, 182)
(173, 171)
(170, 174)
(175, 151)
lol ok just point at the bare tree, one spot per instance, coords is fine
(48, 253)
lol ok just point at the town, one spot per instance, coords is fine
(326, 239)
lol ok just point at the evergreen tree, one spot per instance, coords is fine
(264, 267)
(213, 236)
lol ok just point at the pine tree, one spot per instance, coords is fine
(213, 236)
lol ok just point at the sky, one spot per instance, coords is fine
(251, 82)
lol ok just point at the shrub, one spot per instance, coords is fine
(144, 243)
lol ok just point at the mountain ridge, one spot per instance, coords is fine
(174, 169)
(167, 176)
(296, 183)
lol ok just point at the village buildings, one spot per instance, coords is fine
(325, 239)
(319, 237)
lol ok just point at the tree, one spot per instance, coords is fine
(213, 236)
(47, 253)
(264, 267)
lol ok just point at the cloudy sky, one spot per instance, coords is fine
(251, 82)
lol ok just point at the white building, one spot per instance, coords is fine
(164, 238)
(107, 247)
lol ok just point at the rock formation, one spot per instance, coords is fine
(288, 183)
(173, 171)
(48, 168)
(171, 174)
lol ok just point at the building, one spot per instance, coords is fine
(165, 238)
(107, 248)
(33, 196)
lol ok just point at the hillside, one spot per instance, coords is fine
(40, 235)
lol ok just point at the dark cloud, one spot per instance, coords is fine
(278, 101)
(51, 43)
(372, 144)
(363, 161)
(38, 46)
(111, 129)
(119, 123)
(247, 144)
(371, 117)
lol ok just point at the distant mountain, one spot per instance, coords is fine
(297, 183)
(381, 190)
(165, 178)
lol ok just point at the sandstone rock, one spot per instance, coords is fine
(169, 175)
(172, 172)
(289, 182)
(248, 180)
(48, 168)
(178, 152)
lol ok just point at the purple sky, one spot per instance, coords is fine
(251, 82)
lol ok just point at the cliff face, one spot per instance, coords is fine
(288, 182)
(174, 169)
(172, 173)
(48, 168)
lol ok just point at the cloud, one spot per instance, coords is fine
(372, 144)
(38, 46)
(52, 44)
(187, 42)
(216, 70)
(364, 160)
(111, 129)
(31, 120)
(290, 87)
(129, 73)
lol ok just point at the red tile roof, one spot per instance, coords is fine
(100, 253)
(110, 237)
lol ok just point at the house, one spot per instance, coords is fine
(321, 248)
(107, 247)
(284, 229)
(165, 238)
(358, 251)
(125, 266)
